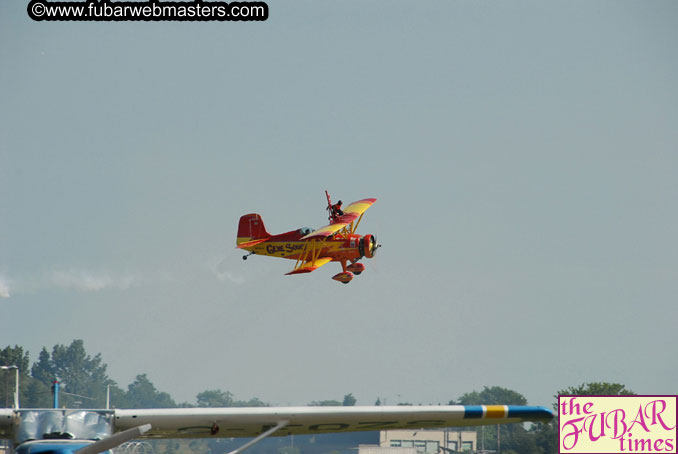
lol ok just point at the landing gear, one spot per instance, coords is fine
(344, 277)
(244, 257)
(356, 268)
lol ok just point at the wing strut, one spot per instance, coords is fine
(280, 425)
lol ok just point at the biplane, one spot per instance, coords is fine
(311, 249)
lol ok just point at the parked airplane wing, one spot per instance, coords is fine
(249, 422)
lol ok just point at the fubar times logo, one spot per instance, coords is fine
(617, 424)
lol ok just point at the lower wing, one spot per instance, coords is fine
(310, 265)
(249, 422)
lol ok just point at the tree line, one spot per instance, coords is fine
(85, 381)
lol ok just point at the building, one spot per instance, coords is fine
(423, 441)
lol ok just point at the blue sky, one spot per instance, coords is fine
(524, 156)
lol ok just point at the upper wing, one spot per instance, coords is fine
(359, 207)
(351, 213)
(248, 422)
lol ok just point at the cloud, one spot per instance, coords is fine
(227, 275)
(87, 281)
(4, 288)
(224, 275)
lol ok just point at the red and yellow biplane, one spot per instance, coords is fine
(335, 242)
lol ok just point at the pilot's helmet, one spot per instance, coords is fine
(339, 202)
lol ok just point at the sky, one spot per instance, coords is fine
(523, 155)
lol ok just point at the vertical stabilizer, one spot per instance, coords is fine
(250, 228)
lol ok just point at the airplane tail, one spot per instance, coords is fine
(251, 230)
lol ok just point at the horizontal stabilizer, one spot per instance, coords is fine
(247, 244)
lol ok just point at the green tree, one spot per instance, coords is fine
(495, 395)
(253, 402)
(597, 388)
(119, 398)
(83, 377)
(13, 356)
(215, 398)
(142, 394)
(219, 398)
(546, 437)
(42, 370)
(325, 403)
(42, 376)
(349, 400)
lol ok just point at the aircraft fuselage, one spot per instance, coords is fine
(289, 246)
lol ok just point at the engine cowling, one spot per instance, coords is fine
(368, 246)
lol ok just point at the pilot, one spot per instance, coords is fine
(336, 210)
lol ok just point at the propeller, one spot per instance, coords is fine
(114, 440)
(374, 246)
